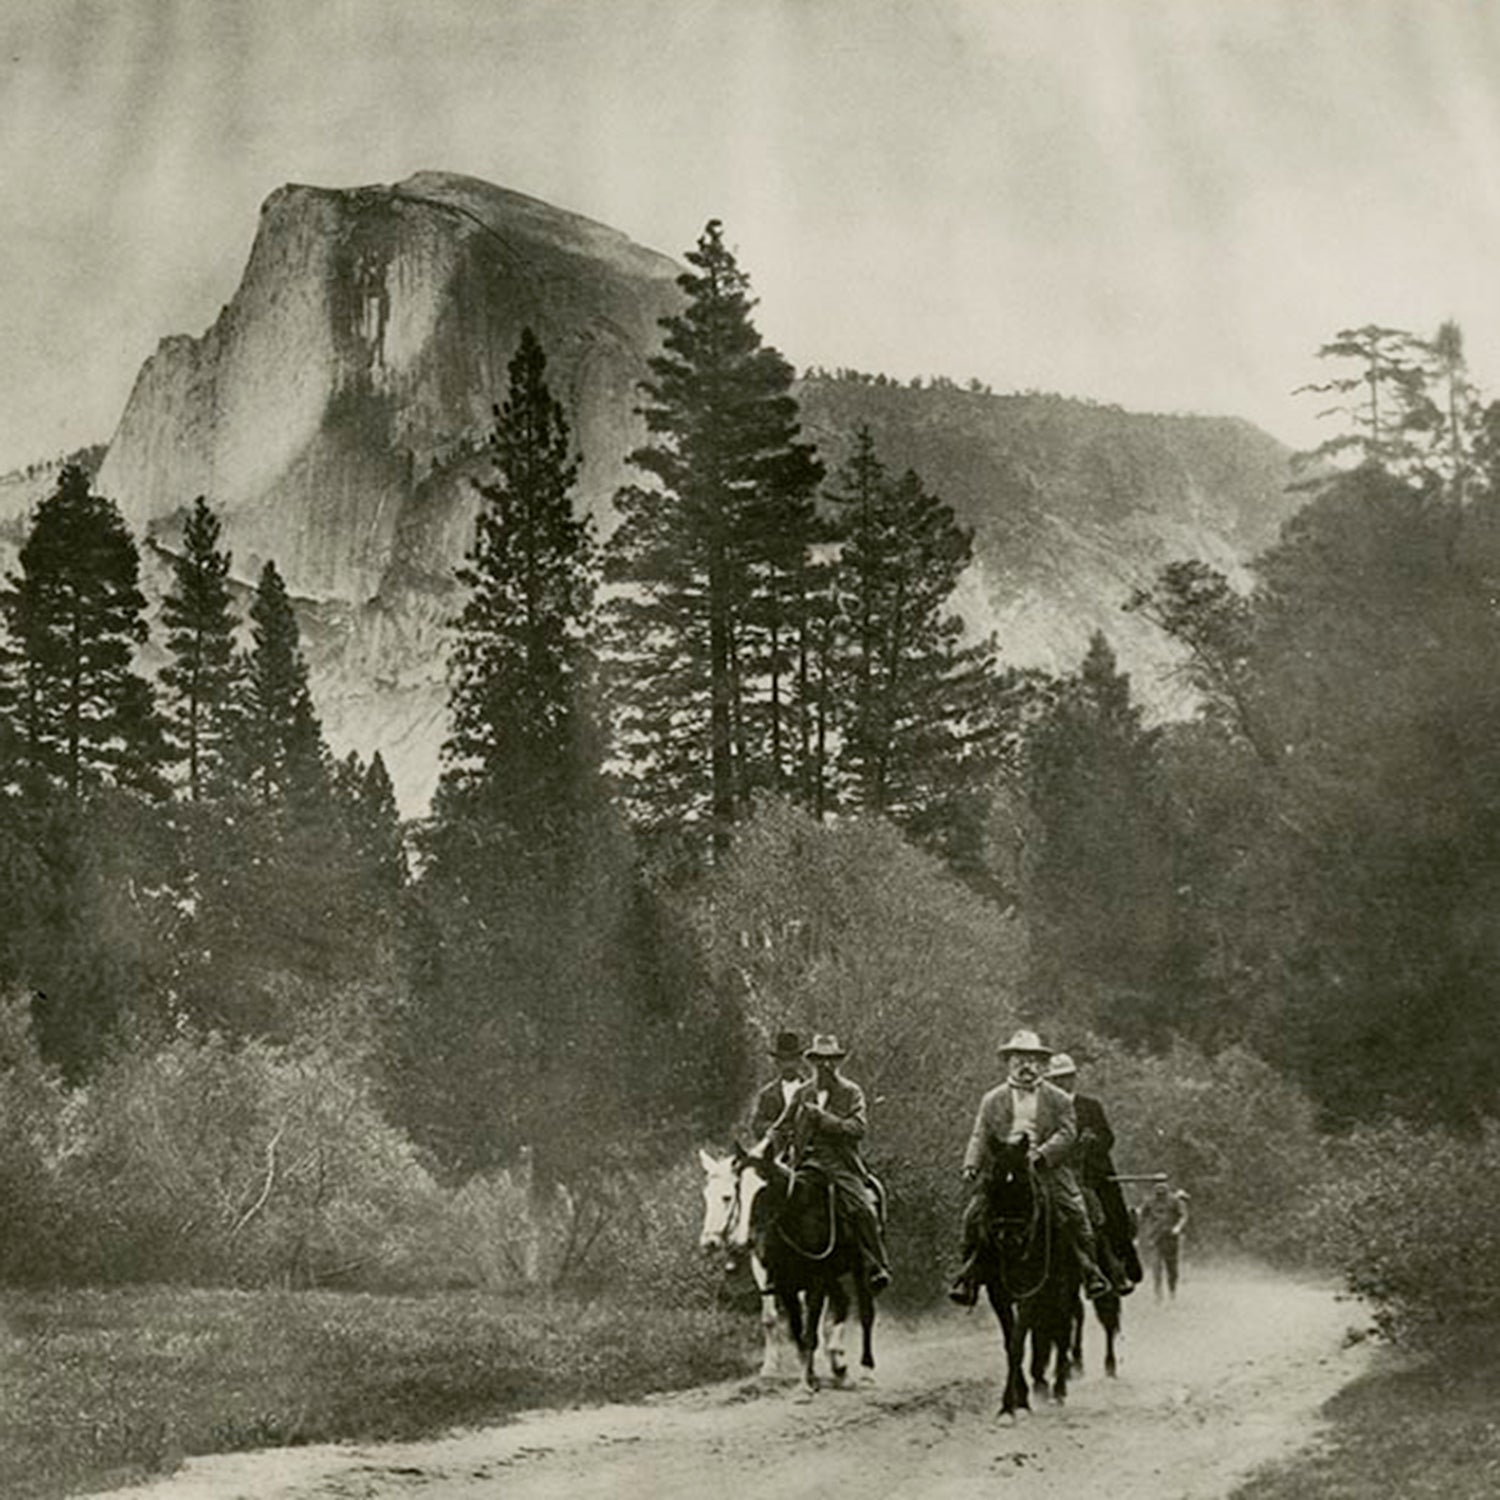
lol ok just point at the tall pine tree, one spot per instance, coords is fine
(201, 678)
(76, 616)
(279, 740)
(1101, 893)
(521, 747)
(708, 623)
(917, 699)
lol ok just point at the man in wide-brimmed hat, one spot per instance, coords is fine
(822, 1128)
(1027, 1106)
(772, 1100)
(1095, 1171)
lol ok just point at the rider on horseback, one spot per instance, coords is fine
(1096, 1176)
(1027, 1107)
(822, 1126)
(772, 1100)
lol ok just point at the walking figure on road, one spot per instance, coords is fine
(1164, 1215)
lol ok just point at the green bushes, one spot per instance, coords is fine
(215, 1163)
(621, 1230)
(1413, 1217)
(32, 1121)
(218, 1163)
(1228, 1128)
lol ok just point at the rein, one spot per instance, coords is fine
(1039, 1218)
(833, 1229)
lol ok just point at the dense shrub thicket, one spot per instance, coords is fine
(1413, 1214)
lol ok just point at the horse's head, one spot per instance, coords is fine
(727, 1195)
(1009, 1179)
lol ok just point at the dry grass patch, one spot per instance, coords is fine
(97, 1387)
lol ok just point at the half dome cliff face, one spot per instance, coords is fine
(334, 409)
(337, 408)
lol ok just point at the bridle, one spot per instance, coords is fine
(1037, 1220)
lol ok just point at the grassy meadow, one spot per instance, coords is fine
(101, 1387)
(1419, 1429)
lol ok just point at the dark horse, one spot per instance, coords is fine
(1107, 1311)
(808, 1248)
(1029, 1274)
(1115, 1235)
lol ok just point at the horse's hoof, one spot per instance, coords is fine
(867, 1378)
(804, 1394)
(1109, 1368)
(840, 1375)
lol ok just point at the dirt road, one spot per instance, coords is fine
(1210, 1387)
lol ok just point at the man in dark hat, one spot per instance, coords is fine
(1096, 1176)
(822, 1129)
(1027, 1107)
(772, 1100)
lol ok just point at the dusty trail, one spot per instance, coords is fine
(1224, 1380)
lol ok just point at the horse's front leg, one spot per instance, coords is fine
(1041, 1353)
(809, 1341)
(1060, 1329)
(833, 1331)
(1013, 1333)
(791, 1306)
(1108, 1309)
(770, 1320)
(866, 1299)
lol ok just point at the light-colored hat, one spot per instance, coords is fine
(1026, 1041)
(1061, 1065)
(825, 1045)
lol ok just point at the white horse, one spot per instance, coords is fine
(728, 1193)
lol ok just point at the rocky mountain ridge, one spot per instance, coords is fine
(338, 407)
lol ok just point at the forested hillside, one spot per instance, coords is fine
(1072, 504)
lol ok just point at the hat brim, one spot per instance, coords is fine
(825, 1056)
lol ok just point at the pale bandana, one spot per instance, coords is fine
(1023, 1097)
(1022, 1111)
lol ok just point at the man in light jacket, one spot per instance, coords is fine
(1025, 1105)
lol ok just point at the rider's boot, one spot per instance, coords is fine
(965, 1289)
(1115, 1272)
(875, 1256)
(1095, 1283)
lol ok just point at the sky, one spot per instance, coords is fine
(1167, 204)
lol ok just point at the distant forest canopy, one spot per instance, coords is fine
(577, 953)
(973, 386)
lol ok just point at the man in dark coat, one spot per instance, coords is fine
(822, 1129)
(772, 1100)
(1096, 1175)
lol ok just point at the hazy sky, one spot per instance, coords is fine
(1164, 203)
